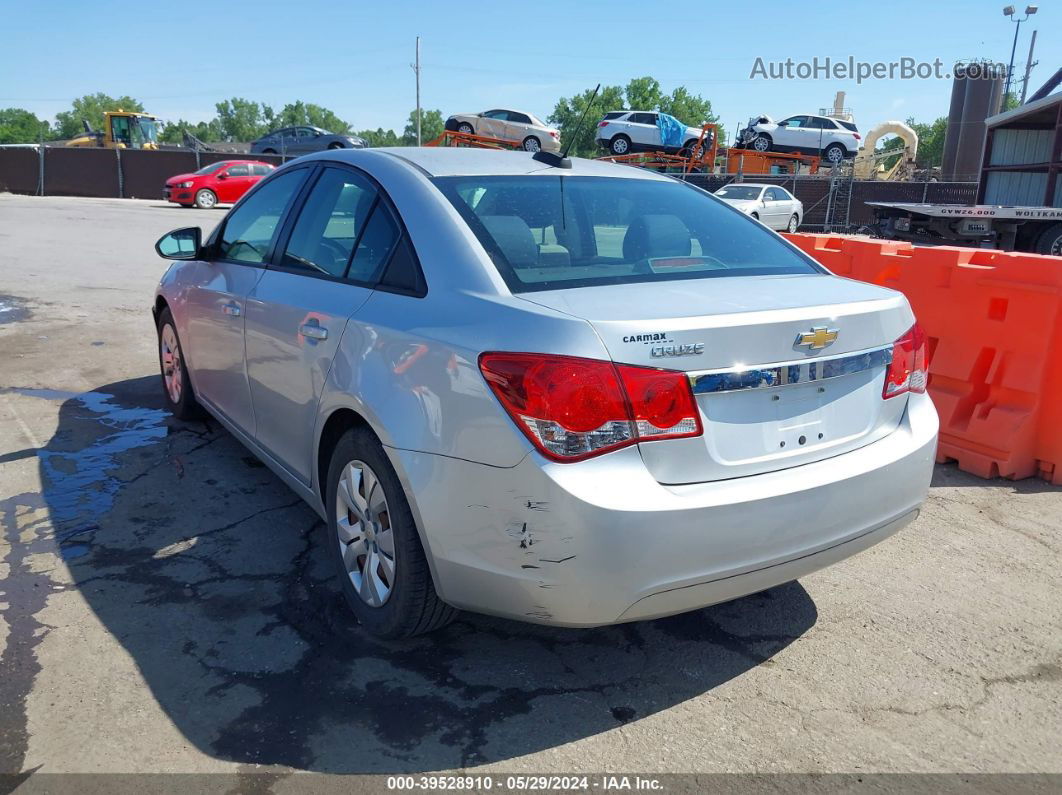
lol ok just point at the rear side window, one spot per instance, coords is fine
(239, 171)
(329, 223)
(251, 227)
(519, 118)
(847, 125)
(552, 232)
(261, 171)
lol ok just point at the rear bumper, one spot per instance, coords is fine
(601, 541)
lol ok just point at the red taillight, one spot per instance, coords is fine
(572, 408)
(602, 124)
(909, 369)
(857, 136)
(554, 134)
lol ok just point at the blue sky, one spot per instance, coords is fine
(354, 57)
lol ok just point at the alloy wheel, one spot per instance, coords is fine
(170, 354)
(366, 540)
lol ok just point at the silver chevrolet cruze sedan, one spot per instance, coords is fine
(570, 393)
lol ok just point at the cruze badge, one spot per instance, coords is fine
(673, 349)
(817, 339)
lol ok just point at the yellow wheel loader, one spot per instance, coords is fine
(122, 129)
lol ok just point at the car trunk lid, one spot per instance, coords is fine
(786, 369)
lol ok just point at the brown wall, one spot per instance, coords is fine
(19, 170)
(94, 172)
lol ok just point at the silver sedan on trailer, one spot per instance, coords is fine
(567, 392)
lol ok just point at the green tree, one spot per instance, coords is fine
(643, 93)
(298, 112)
(380, 137)
(431, 126)
(90, 108)
(568, 110)
(243, 120)
(690, 109)
(930, 141)
(18, 126)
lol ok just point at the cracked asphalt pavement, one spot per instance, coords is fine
(165, 603)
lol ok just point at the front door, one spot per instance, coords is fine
(215, 304)
(233, 182)
(298, 312)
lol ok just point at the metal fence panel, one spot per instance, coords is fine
(81, 172)
(144, 173)
(19, 169)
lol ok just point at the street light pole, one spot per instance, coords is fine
(1008, 11)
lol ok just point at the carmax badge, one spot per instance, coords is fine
(818, 338)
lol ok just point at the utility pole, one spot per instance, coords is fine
(1029, 64)
(416, 71)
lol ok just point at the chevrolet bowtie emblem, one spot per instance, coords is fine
(818, 338)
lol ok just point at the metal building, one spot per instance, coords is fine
(1023, 156)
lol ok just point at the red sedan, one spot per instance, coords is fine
(218, 183)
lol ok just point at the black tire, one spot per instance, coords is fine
(1050, 241)
(755, 215)
(451, 125)
(335, 145)
(761, 143)
(834, 154)
(466, 128)
(412, 607)
(185, 407)
(206, 199)
(794, 223)
(269, 151)
(620, 145)
(531, 144)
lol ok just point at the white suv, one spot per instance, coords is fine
(625, 131)
(831, 139)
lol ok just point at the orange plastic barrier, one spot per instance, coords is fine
(994, 321)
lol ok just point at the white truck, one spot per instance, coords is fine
(1037, 230)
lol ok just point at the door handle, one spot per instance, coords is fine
(232, 308)
(313, 331)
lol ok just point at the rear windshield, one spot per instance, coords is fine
(554, 232)
(614, 115)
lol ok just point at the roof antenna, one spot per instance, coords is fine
(561, 160)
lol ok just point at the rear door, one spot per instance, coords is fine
(775, 208)
(214, 305)
(323, 271)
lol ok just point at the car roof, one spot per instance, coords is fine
(445, 161)
(751, 185)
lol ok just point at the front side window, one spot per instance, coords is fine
(553, 232)
(335, 218)
(210, 168)
(795, 121)
(250, 227)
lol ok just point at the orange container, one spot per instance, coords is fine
(994, 321)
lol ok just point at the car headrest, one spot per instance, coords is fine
(514, 238)
(657, 236)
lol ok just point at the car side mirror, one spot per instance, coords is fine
(783, 124)
(183, 243)
(223, 175)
